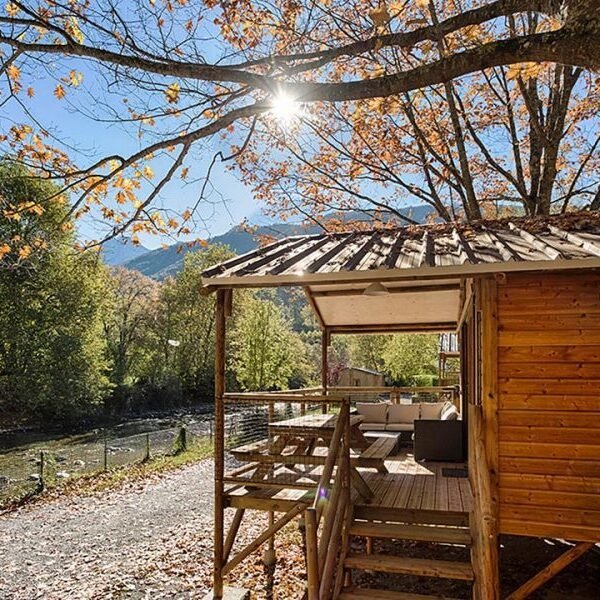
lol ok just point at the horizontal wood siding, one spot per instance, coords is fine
(549, 405)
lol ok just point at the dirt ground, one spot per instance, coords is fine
(153, 539)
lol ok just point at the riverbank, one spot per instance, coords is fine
(34, 463)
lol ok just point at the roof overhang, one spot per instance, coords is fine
(421, 274)
(424, 268)
(408, 306)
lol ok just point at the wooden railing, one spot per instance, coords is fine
(450, 393)
(326, 544)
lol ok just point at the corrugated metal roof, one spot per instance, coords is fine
(523, 243)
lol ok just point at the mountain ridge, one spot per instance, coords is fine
(165, 262)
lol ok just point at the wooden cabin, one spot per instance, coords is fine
(524, 297)
(360, 377)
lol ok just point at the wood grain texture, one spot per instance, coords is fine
(549, 405)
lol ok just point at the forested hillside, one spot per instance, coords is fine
(81, 340)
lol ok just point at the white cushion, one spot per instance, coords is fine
(372, 426)
(400, 426)
(403, 413)
(431, 410)
(449, 412)
(373, 412)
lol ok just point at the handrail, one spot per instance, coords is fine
(323, 553)
(393, 389)
(281, 397)
(295, 392)
(332, 455)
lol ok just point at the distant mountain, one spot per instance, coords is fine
(165, 262)
(121, 250)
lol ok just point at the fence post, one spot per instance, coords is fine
(105, 454)
(41, 471)
(147, 457)
(182, 439)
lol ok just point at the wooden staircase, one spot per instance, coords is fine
(369, 523)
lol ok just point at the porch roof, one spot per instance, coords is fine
(421, 266)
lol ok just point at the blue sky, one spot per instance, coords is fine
(87, 140)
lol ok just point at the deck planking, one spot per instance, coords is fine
(419, 486)
(408, 485)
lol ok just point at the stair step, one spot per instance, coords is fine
(408, 515)
(424, 567)
(419, 533)
(373, 594)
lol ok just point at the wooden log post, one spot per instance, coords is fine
(484, 450)
(223, 301)
(312, 559)
(325, 341)
(269, 556)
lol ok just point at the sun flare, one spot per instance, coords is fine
(284, 107)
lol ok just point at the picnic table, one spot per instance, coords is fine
(300, 444)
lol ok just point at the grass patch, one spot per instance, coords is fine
(116, 477)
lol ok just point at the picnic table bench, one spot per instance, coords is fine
(296, 449)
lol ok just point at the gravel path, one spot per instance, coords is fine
(153, 539)
(112, 544)
(149, 539)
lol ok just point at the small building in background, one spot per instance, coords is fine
(360, 377)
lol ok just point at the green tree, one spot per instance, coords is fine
(184, 325)
(51, 351)
(267, 353)
(410, 356)
(367, 351)
(128, 330)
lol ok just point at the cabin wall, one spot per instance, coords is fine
(549, 404)
(357, 378)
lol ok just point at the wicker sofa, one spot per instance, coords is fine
(383, 416)
(429, 424)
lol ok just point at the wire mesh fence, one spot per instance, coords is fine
(29, 471)
(269, 436)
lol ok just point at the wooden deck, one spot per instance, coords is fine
(409, 488)
(419, 486)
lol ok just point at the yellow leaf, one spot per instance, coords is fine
(75, 78)
(24, 252)
(148, 172)
(380, 16)
(13, 72)
(422, 4)
(72, 28)
(172, 93)
(59, 92)
(30, 92)
(12, 9)
(4, 250)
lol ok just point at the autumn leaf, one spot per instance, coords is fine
(72, 28)
(172, 93)
(526, 71)
(13, 72)
(75, 78)
(59, 92)
(380, 16)
(4, 250)
(148, 172)
(24, 252)
(12, 10)
(423, 4)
